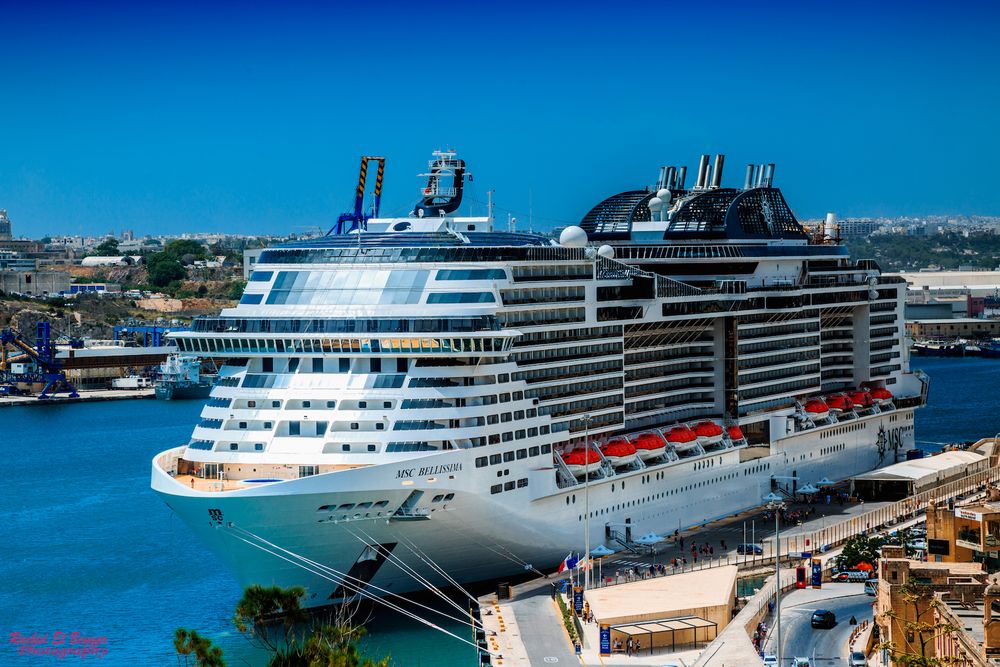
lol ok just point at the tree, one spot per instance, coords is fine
(922, 632)
(859, 549)
(189, 642)
(108, 248)
(274, 619)
(185, 250)
(163, 269)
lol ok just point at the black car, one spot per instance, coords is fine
(749, 549)
(822, 618)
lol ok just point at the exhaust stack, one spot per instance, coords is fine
(717, 172)
(748, 181)
(661, 182)
(681, 177)
(769, 175)
(702, 172)
(671, 177)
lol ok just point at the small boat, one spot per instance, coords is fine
(881, 395)
(862, 399)
(619, 452)
(682, 438)
(649, 446)
(735, 434)
(935, 348)
(580, 461)
(709, 433)
(990, 349)
(817, 409)
(181, 377)
(839, 403)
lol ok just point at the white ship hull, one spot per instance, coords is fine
(477, 536)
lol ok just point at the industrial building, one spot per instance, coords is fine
(965, 327)
(35, 283)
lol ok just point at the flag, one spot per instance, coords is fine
(568, 563)
(583, 563)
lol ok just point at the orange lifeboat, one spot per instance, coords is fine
(881, 395)
(861, 399)
(618, 452)
(817, 409)
(580, 461)
(839, 403)
(648, 446)
(736, 434)
(682, 438)
(709, 433)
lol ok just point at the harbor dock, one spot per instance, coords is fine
(86, 396)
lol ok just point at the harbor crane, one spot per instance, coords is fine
(26, 361)
(357, 218)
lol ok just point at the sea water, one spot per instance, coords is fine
(88, 548)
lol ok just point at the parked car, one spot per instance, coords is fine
(857, 659)
(823, 618)
(800, 662)
(770, 660)
(751, 549)
(919, 545)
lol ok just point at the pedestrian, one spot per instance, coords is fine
(192, 482)
(723, 542)
(638, 645)
(682, 543)
(628, 647)
(828, 499)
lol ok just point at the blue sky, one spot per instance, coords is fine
(251, 119)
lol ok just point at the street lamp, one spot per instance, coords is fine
(775, 503)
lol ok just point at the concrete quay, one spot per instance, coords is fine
(86, 396)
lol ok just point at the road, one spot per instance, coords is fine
(829, 647)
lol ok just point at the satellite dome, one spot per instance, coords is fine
(606, 251)
(655, 205)
(573, 237)
(664, 194)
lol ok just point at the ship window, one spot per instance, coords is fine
(532, 432)
(508, 456)
(307, 404)
(460, 297)
(233, 446)
(496, 488)
(507, 437)
(379, 426)
(331, 404)
(386, 404)
(317, 365)
(376, 365)
(438, 498)
(251, 299)
(362, 404)
(371, 448)
(346, 506)
(504, 398)
(492, 419)
(532, 412)
(494, 459)
(522, 454)
(523, 482)
(544, 430)
(344, 366)
(518, 414)
(354, 426)
(275, 404)
(532, 451)
(293, 365)
(261, 276)
(503, 377)
(449, 496)
(243, 424)
(505, 417)
(518, 395)
(508, 486)
(381, 503)
(345, 448)
(258, 446)
(494, 439)
(402, 365)
(519, 435)
(251, 404)
(267, 365)
(546, 449)
(294, 428)
(481, 462)
(471, 274)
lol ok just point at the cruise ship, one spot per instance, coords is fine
(430, 400)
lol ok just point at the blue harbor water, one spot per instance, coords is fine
(88, 548)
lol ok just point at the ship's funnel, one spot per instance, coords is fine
(702, 172)
(748, 181)
(717, 172)
(671, 177)
(681, 177)
(661, 182)
(769, 175)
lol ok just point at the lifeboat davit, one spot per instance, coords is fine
(735, 434)
(817, 409)
(839, 403)
(709, 433)
(649, 446)
(682, 438)
(580, 461)
(618, 452)
(881, 395)
(861, 399)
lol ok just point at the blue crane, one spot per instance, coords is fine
(357, 218)
(41, 353)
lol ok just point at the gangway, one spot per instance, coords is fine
(357, 218)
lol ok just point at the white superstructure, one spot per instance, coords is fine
(416, 392)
